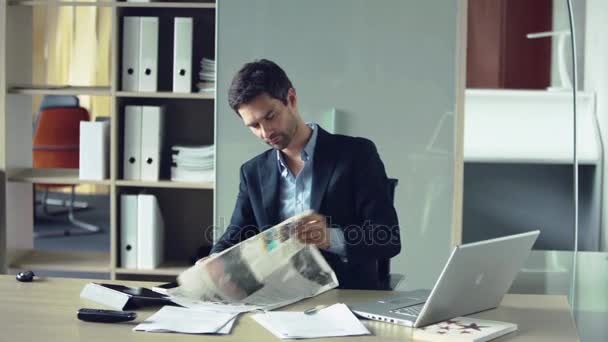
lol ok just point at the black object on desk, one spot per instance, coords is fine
(105, 316)
(122, 297)
(26, 276)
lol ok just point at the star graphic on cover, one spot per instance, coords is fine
(465, 332)
(451, 321)
(474, 326)
(441, 332)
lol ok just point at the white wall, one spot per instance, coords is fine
(596, 80)
(388, 67)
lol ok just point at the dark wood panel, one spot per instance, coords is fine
(498, 53)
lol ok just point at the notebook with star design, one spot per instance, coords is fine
(464, 329)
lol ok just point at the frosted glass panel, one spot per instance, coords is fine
(388, 69)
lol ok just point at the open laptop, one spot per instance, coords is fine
(475, 278)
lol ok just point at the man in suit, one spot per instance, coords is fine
(340, 178)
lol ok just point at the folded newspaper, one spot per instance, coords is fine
(269, 270)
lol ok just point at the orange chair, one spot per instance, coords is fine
(56, 145)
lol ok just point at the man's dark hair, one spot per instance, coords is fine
(254, 79)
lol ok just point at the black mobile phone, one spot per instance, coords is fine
(105, 316)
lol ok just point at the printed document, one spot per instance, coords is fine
(336, 320)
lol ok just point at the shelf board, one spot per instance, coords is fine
(529, 127)
(68, 261)
(192, 4)
(168, 268)
(29, 89)
(165, 184)
(167, 95)
(58, 3)
(50, 176)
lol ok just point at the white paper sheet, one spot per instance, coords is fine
(336, 320)
(188, 321)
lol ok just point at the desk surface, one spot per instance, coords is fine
(45, 310)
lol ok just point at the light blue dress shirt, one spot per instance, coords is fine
(295, 191)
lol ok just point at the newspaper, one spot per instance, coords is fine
(268, 270)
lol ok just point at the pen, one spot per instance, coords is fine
(314, 310)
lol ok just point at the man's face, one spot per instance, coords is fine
(271, 120)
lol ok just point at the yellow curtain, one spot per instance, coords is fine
(72, 46)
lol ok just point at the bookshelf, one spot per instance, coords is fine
(187, 207)
(123, 4)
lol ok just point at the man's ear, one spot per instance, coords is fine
(292, 98)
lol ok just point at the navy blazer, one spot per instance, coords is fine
(349, 187)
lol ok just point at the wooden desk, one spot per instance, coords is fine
(45, 310)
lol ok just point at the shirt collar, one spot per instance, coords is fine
(307, 152)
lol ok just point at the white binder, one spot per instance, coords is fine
(94, 150)
(128, 231)
(132, 143)
(148, 54)
(182, 55)
(150, 232)
(151, 142)
(130, 53)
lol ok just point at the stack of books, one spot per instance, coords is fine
(206, 76)
(193, 163)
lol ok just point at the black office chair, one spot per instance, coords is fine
(387, 280)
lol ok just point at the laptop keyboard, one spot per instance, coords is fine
(413, 310)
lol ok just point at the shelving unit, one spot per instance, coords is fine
(166, 184)
(50, 176)
(124, 4)
(189, 119)
(58, 90)
(167, 95)
(90, 262)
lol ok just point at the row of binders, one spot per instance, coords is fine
(143, 141)
(141, 232)
(140, 54)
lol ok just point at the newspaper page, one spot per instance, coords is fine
(268, 270)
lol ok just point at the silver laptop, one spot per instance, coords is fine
(475, 278)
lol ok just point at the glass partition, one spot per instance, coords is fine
(521, 172)
(383, 70)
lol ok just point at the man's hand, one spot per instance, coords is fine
(203, 259)
(312, 229)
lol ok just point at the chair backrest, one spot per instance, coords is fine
(384, 265)
(56, 101)
(57, 137)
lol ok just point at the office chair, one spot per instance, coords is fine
(56, 145)
(387, 280)
(56, 101)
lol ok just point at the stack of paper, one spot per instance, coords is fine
(188, 321)
(336, 320)
(206, 75)
(193, 163)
